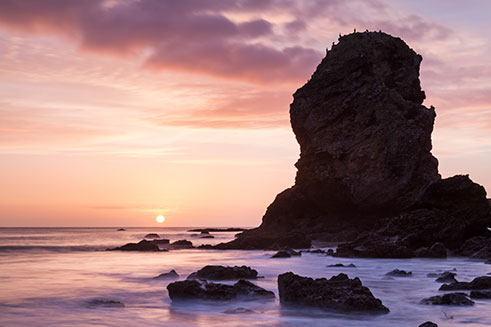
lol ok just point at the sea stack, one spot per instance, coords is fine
(365, 156)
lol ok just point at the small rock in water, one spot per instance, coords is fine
(338, 293)
(168, 275)
(207, 236)
(286, 253)
(478, 283)
(224, 273)
(143, 245)
(182, 244)
(200, 289)
(446, 277)
(351, 265)
(121, 229)
(238, 310)
(449, 299)
(428, 324)
(152, 235)
(481, 294)
(106, 303)
(399, 273)
(160, 241)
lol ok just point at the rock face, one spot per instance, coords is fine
(224, 273)
(202, 290)
(365, 164)
(338, 293)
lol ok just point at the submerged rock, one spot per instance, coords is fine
(340, 265)
(238, 310)
(338, 293)
(152, 235)
(365, 161)
(399, 273)
(106, 303)
(143, 245)
(449, 299)
(168, 275)
(224, 273)
(478, 283)
(199, 289)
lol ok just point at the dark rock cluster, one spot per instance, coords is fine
(338, 293)
(224, 273)
(366, 171)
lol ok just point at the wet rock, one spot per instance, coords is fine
(199, 289)
(160, 241)
(207, 236)
(399, 273)
(320, 251)
(428, 324)
(437, 250)
(152, 235)
(181, 244)
(266, 241)
(371, 245)
(449, 299)
(281, 254)
(330, 252)
(105, 303)
(121, 229)
(481, 294)
(338, 293)
(168, 275)
(478, 247)
(478, 283)
(340, 265)
(446, 277)
(205, 232)
(206, 247)
(286, 253)
(224, 273)
(238, 310)
(143, 245)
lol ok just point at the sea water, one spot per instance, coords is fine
(48, 276)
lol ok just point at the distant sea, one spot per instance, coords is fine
(49, 275)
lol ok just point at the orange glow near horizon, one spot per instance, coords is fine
(190, 121)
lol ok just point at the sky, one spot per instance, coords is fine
(114, 112)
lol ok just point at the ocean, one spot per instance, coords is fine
(48, 276)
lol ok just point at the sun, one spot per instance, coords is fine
(160, 219)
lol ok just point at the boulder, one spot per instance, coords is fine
(478, 247)
(446, 277)
(199, 289)
(168, 275)
(181, 244)
(399, 273)
(478, 283)
(286, 253)
(224, 273)
(152, 235)
(481, 294)
(449, 299)
(105, 303)
(428, 324)
(338, 293)
(365, 161)
(143, 245)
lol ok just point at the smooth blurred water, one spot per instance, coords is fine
(48, 275)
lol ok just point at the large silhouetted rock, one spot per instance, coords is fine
(365, 159)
